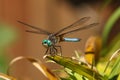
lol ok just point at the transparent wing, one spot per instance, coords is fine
(80, 21)
(40, 31)
(36, 32)
(81, 28)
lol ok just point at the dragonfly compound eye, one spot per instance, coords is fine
(46, 43)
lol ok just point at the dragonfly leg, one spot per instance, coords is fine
(60, 49)
(52, 51)
(55, 50)
(46, 51)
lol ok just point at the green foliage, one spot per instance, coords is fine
(108, 26)
(7, 36)
(115, 69)
(77, 68)
(115, 45)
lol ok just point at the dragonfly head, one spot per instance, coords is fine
(46, 43)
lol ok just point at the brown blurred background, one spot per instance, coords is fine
(50, 15)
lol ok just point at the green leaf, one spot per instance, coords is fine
(7, 36)
(119, 77)
(115, 69)
(75, 67)
(114, 78)
(115, 45)
(73, 75)
(111, 21)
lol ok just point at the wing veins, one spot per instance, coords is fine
(36, 32)
(81, 28)
(80, 21)
(39, 29)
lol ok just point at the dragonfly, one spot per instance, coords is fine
(53, 38)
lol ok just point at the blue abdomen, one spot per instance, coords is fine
(71, 39)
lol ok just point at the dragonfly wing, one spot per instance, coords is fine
(80, 21)
(39, 29)
(36, 32)
(81, 28)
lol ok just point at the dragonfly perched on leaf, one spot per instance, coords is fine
(53, 38)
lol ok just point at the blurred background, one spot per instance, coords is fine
(50, 15)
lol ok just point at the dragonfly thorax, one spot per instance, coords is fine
(47, 43)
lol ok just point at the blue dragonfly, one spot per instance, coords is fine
(53, 38)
